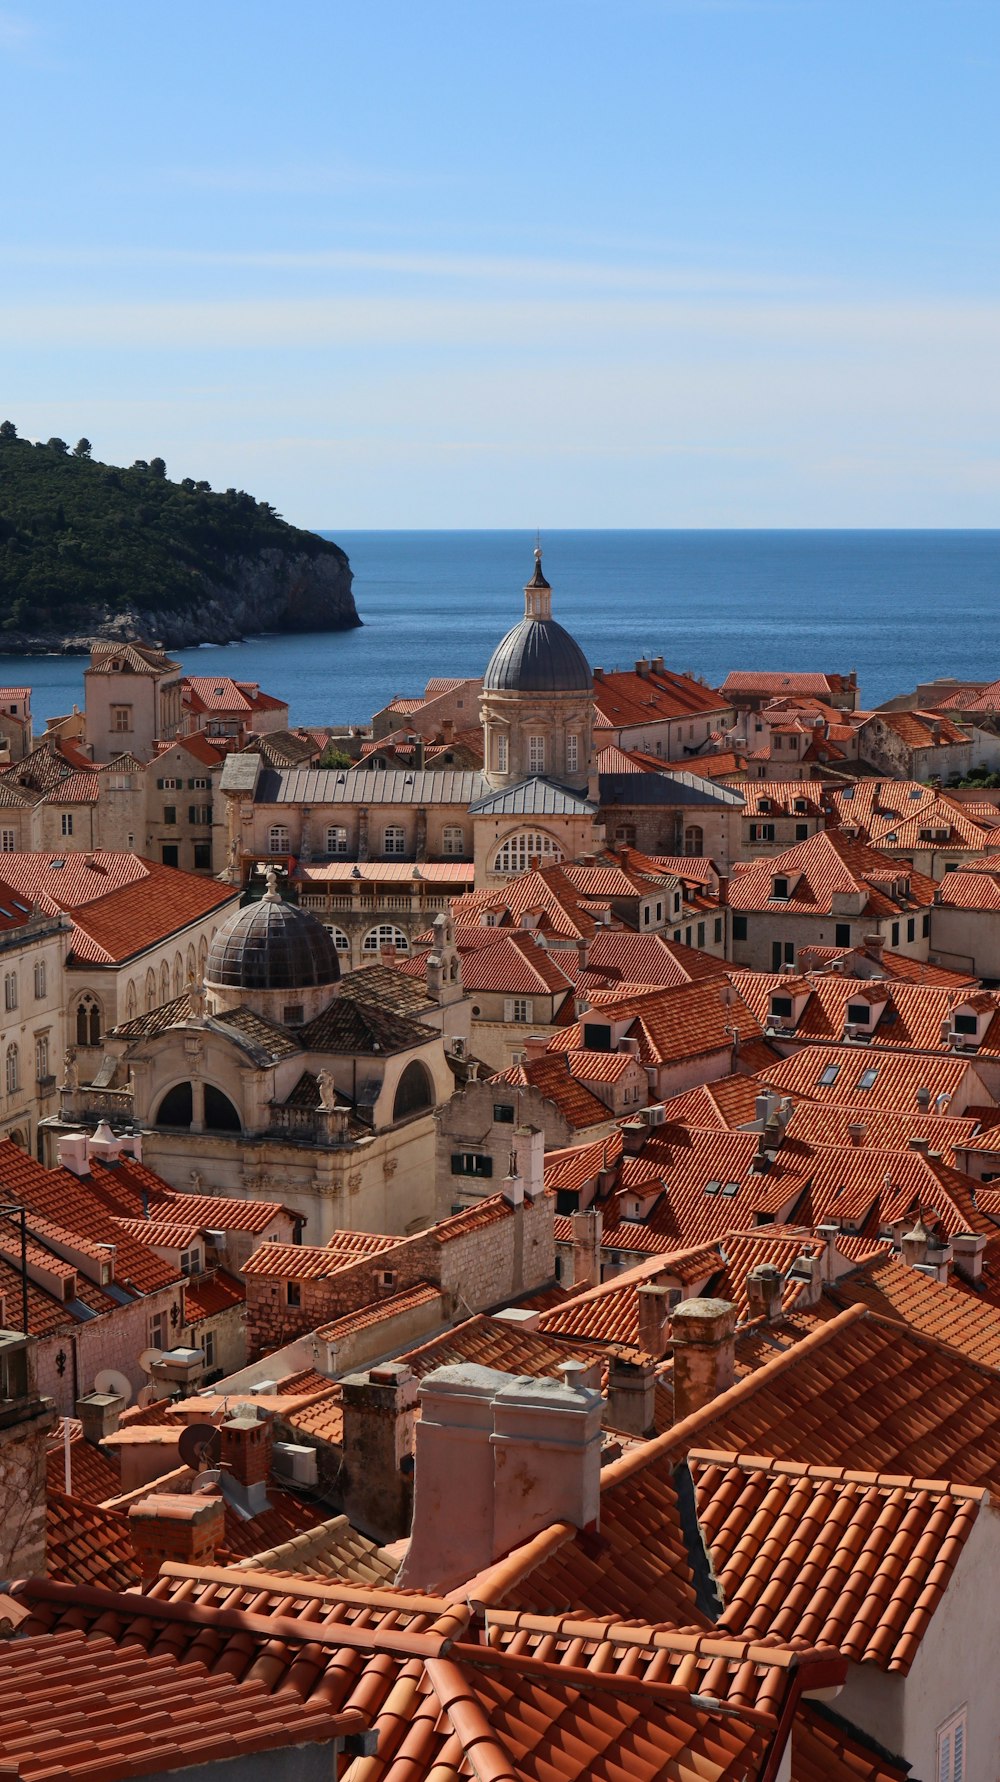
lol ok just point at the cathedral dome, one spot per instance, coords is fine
(537, 655)
(272, 945)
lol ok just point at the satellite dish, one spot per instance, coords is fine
(206, 1483)
(200, 1446)
(146, 1396)
(148, 1357)
(116, 1385)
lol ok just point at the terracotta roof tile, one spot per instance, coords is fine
(827, 863)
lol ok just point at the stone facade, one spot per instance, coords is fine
(26, 1423)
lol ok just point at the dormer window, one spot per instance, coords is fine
(781, 1008)
(800, 805)
(859, 1013)
(765, 804)
(966, 1024)
(779, 889)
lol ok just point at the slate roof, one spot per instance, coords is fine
(532, 798)
(663, 789)
(331, 785)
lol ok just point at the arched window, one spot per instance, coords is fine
(88, 1021)
(341, 941)
(518, 851)
(10, 990)
(385, 935)
(202, 956)
(220, 1113)
(278, 839)
(13, 1070)
(150, 990)
(192, 964)
(164, 982)
(414, 1091)
(39, 979)
(694, 839)
(176, 1107)
(130, 1008)
(178, 974)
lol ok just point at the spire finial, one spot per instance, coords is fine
(537, 593)
(271, 880)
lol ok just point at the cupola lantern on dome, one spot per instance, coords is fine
(537, 700)
(272, 955)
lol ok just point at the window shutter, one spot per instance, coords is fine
(457, 1164)
(508, 1008)
(958, 1753)
(944, 1758)
(159, 785)
(191, 785)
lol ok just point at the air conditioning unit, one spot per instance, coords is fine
(296, 1461)
(655, 1115)
(180, 1366)
(216, 1240)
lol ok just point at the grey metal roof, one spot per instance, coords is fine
(538, 656)
(663, 788)
(534, 798)
(368, 785)
(240, 773)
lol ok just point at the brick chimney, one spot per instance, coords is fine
(765, 1286)
(654, 1306)
(702, 1335)
(377, 1480)
(246, 1456)
(169, 1525)
(631, 1400)
(498, 1458)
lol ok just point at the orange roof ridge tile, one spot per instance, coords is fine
(837, 1474)
(782, 1655)
(326, 1590)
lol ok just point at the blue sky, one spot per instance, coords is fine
(564, 262)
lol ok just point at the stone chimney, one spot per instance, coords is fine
(99, 1413)
(967, 1253)
(765, 1286)
(631, 1400)
(808, 1270)
(171, 1525)
(529, 1150)
(856, 1132)
(586, 1229)
(654, 1306)
(246, 1456)
(379, 1418)
(702, 1335)
(829, 1233)
(914, 1243)
(498, 1458)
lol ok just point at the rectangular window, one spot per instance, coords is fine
(199, 785)
(859, 1013)
(199, 813)
(536, 754)
(965, 1023)
(158, 1325)
(293, 1293)
(503, 1113)
(170, 854)
(867, 1077)
(191, 1261)
(951, 1748)
(206, 1343)
(718, 928)
(394, 839)
(895, 935)
(336, 839)
(779, 888)
(170, 785)
(39, 979)
(801, 831)
(453, 839)
(8, 841)
(842, 934)
(278, 839)
(502, 754)
(911, 928)
(202, 856)
(739, 928)
(121, 718)
(517, 1008)
(471, 1163)
(596, 1036)
(925, 926)
(66, 822)
(572, 754)
(10, 990)
(42, 1056)
(781, 1006)
(170, 814)
(701, 934)
(829, 1075)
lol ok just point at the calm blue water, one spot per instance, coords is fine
(900, 607)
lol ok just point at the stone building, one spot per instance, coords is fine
(280, 1079)
(132, 696)
(26, 1423)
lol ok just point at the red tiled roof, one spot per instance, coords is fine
(817, 869)
(554, 1079)
(671, 1025)
(213, 1294)
(898, 1076)
(120, 904)
(903, 1016)
(826, 1749)
(627, 698)
(59, 1195)
(88, 1545)
(856, 1561)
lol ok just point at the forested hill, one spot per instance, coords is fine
(90, 549)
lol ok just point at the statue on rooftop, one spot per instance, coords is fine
(71, 1070)
(327, 1090)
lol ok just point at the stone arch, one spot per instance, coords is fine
(221, 1114)
(150, 997)
(414, 1091)
(164, 982)
(202, 956)
(89, 1020)
(178, 975)
(131, 1009)
(385, 934)
(192, 963)
(176, 1107)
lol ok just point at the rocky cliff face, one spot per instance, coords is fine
(272, 591)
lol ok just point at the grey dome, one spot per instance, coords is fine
(538, 656)
(272, 945)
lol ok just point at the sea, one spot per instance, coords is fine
(899, 607)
